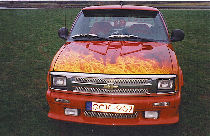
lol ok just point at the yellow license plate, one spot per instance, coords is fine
(116, 108)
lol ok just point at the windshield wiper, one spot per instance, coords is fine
(130, 37)
(87, 36)
(111, 37)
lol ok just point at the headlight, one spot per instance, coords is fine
(59, 81)
(166, 84)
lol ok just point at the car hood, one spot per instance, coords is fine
(114, 57)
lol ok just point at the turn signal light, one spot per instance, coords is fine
(161, 104)
(62, 100)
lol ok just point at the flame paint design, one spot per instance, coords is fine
(80, 59)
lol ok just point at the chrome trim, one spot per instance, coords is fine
(110, 115)
(58, 89)
(70, 75)
(89, 83)
(166, 92)
(118, 82)
(172, 92)
(111, 92)
(115, 81)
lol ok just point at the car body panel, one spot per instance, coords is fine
(111, 58)
(168, 114)
(115, 57)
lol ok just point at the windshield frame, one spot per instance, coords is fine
(159, 14)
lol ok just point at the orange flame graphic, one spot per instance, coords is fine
(87, 63)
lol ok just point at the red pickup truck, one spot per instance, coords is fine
(117, 67)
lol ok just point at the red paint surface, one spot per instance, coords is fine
(117, 57)
(168, 114)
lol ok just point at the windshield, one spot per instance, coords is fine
(119, 24)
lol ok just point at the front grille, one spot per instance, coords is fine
(112, 84)
(111, 92)
(111, 115)
(111, 80)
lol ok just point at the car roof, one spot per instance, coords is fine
(131, 7)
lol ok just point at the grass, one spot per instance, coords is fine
(28, 42)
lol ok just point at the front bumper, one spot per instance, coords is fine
(167, 114)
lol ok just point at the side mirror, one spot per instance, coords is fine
(177, 35)
(63, 33)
